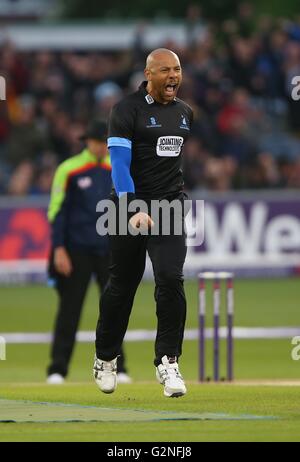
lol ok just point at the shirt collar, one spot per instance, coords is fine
(90, 157)
(143, 86)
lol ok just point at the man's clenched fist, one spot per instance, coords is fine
(142, 221)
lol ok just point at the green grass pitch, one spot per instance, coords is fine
(263, 369)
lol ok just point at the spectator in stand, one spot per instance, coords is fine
(234, 122)
(26, 140)
(106, 95)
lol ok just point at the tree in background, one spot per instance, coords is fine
(164, 9)
(93, 9)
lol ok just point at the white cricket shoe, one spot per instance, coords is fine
(168, 375)
(105, 374)
(122, 377)
(55, 379)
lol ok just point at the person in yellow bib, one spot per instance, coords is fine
(78, 252)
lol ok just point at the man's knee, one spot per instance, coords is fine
(120, 288)
(168, 278)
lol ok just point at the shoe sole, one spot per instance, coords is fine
(55, 383)
(177, 394)
(107, 392)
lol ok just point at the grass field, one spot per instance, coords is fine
(258, 303)
(282, 402)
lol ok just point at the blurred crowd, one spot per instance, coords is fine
(237, 77)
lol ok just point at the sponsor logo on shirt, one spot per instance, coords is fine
(153, 123)
(169, 146)
(84, 182)
(184, 124)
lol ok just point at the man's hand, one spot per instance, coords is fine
(62, 261)
(141, 221)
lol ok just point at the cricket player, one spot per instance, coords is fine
(147, 130)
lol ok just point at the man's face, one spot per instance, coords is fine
(97, 147)
(164, 77)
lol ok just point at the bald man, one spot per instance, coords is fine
(147, 131)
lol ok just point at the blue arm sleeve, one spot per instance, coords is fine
(120, 157)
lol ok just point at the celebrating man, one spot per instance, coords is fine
(147, 130)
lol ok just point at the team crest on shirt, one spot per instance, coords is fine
(153, 123)
(169, 146)
(184, 124)
(84, 182)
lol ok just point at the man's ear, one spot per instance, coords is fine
(147, 74)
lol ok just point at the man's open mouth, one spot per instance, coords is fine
(171, 88)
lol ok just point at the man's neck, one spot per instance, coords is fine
(95, 157)
(154, 95)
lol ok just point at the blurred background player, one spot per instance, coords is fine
(78, 252)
